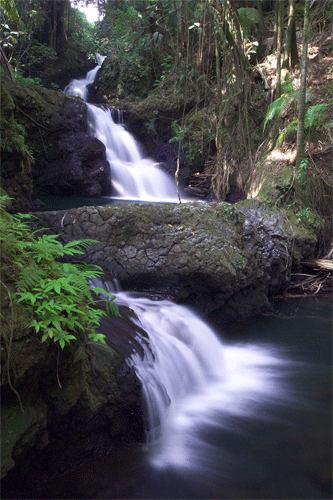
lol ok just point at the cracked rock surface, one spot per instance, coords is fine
(205, 255)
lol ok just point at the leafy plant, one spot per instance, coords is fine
(301, 170)
(280, 105)
(28, 80)
(248, 16)
(57, 295)
(314, 117)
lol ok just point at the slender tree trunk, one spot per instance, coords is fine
(294, 59)
(280, 28)
(262, 31)
(301, 105)
(288, 60)
(218, 70)
(276, 24)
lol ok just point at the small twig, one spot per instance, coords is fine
(10, 346)
(58, 380)
(39, 124)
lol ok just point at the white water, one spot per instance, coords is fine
(193, 384)
(133, 176)
(79, 87)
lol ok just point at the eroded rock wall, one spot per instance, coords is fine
(66, 159)
(206, 255)
(84, 395)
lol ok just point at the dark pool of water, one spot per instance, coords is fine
(69, 202)
(284, 454)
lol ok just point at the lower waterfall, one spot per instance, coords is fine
(193, 383)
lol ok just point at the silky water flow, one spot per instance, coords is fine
(194, 384)
(133, 177)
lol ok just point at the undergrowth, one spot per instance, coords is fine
(56, 295)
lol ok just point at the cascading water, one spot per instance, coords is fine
(79, 87)
(194, 385)
(133, 177)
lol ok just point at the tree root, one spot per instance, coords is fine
(308, 284)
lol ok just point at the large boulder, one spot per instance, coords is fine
(66, 159)
(210, 256)
(85, 395)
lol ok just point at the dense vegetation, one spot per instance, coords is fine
(230, 71)
(40, 291)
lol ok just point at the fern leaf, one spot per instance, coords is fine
(75, 246)
(314, 115)
(287, 131)
(277, 107)
(29, 276)
(287, 88)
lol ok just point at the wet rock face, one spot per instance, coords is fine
(86, 403)
(210, 256)
(75, 163)
(79, 167)
(66, 159)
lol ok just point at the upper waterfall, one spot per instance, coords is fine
(133, 177)
(79, 87)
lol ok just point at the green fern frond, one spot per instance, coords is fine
(288, 88)
(277, 107)
(287, 131)
(77, 245)
(314, 115)
(29, 277)
(308, 95)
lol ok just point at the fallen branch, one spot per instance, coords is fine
(319, 263)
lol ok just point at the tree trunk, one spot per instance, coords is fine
(301, 104)
(279, 38)
(290, 58)
(262, 31)
(58, 40)
(294, 59)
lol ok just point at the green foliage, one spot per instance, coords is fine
(81, 34)
(280, 105)
(314, 116)
(56, 295)
(179, 132)
(28, 81)
(10, 11)
(137, 51)
(248, 16)
(302, 169)
(12, 133)
(309, 218)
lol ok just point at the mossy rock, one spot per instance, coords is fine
(16, 168)
(276, 185)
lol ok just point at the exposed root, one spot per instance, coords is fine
(310, 284)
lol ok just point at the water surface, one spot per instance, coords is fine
(262, 431)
